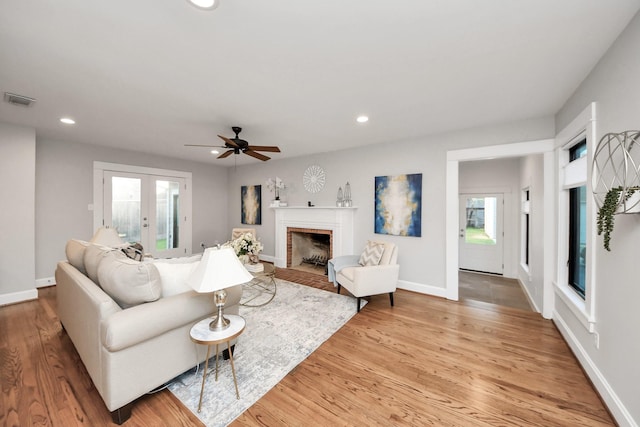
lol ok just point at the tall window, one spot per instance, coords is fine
(577, 226)
(526, 224)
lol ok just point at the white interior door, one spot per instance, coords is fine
(481, 233)
(147, 209)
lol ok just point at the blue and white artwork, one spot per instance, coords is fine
(251, 209)
(398, 209)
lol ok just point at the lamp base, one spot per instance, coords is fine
(220, 323)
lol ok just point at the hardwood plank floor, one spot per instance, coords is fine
(426, 361)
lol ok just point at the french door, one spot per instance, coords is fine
(148, 209)
(481, 236)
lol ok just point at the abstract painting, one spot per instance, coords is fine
(251, 209)
(398, 209)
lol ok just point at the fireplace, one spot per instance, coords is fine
(309, 249)
(336, 222)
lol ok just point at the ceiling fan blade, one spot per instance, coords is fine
(229, 142)
(257, 155)
(271, 148)
(201, 145)
(225, 154)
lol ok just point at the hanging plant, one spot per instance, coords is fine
(608, 210)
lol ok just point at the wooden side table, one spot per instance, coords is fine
(201, 334)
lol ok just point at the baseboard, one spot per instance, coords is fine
(527, 294)
(422, 288)
(15, 297)
(608, 395)
(45, 281)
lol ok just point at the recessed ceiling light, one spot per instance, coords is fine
(362, 119)
(205, 4)
(68, 121)
(215, 152)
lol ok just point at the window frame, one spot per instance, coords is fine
(570, 175)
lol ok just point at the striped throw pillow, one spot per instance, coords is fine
(372, 254)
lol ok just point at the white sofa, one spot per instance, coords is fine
(129, 344)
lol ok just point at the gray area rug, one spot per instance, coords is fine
(278, 336)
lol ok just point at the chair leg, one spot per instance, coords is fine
(358, 302)
(391, 298)
(339, 287)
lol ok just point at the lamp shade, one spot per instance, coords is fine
(218, 269)
(107, 236)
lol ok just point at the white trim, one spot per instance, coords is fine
(45, 281)
(422, 288)
(611, 399)
(583, 126)
(530, 299)
(16, 297)
(518, 149)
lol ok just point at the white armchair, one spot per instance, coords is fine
(367, 280)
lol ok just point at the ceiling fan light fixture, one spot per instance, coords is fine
(205, 4)
(362, 119)
(215, 152)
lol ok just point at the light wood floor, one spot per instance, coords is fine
(426, 361)
(493, 289)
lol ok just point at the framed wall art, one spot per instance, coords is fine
(398, 205)
(251, 204)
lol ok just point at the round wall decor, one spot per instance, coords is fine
(313, 179)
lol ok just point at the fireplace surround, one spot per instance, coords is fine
(339, 221)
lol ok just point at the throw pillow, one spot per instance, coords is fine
(371, 254)
(127, 281)
(174, 275)
(74, 250)
(93, 256)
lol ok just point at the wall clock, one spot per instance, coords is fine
(313, 179)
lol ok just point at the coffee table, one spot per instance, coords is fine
(201, 334)
(262, 289)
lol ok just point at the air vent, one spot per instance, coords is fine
(16, 99)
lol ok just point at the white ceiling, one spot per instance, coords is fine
(153, 75)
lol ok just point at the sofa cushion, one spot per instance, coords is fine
(74, 250)
(127, 281)
(371, 254)
(93, 254)
(174, 273)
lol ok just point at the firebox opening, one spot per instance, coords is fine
(309, 250)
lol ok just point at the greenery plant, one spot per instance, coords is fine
(608, 210)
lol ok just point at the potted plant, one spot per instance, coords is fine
(610, 206)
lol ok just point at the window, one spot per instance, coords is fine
(577, 227)
(526, 228)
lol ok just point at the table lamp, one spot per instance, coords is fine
(218, 269)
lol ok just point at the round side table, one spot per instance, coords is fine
(201, 334)
(262, 289)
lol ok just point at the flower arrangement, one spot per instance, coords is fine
(275, 185)
(247, 245)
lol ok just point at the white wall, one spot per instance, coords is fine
(64, 190)
(422, 260)
(17, 213)
(497, 176)
(531, 177)
(614, 85)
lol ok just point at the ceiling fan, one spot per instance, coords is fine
(237, 146)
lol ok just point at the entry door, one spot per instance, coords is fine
(481, 236)
(146, 209)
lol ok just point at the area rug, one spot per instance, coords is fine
(278, 336)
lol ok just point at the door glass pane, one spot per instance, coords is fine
(167, 215)
(481, 220)
(125, 207)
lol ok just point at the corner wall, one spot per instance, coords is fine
(614, 84)
(17, 213)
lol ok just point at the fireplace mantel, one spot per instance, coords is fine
(339, 220)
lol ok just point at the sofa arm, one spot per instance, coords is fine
(145, 321)
(372, 280)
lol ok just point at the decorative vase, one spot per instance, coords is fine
(244, 258)
(339, 201)
(253, 259)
